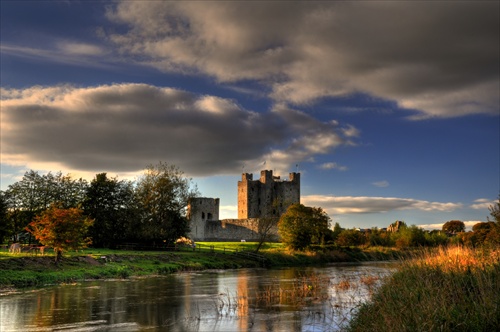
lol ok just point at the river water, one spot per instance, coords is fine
(288, 299)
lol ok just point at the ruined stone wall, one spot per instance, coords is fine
(201, 210)
(234, 230)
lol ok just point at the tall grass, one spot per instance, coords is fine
(448, 289)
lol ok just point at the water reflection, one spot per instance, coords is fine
(230, 300)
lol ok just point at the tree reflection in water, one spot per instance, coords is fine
(291, 299)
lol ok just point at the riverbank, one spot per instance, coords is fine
(19, 271)
(449, 289)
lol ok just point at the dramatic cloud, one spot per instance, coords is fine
(125, 127)
(355, 205)
(482, 203)
(440, 58)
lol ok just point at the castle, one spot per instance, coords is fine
(267, 197)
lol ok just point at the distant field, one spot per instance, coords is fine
(200, 246)
(233, 246)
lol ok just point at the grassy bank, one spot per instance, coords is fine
(452, 289)
(24, 270)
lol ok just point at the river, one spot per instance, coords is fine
(274, 300)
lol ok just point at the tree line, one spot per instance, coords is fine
(150, 210)
(303, 227)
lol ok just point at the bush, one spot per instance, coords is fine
(351, 238)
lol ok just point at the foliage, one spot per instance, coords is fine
(29, 197)
(412, 236)
(112, 205)
(332, 235)
(163, 194)
(350, 237)
(184, 241)
(449, 289)
(380, 237)
(495, 212)
(264, 233)
(301, 226)
(454, 226)
(62, 229)
(5, 226)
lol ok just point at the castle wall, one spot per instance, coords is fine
(201, 210)
(268, 196)
(234, 230)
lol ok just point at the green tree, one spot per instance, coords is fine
(301, 226)
(5, 225)
(163, 193)
(454, 226)
(350, 237)
(34, 193)
(336, 231)
(113, 206)
(62, 229)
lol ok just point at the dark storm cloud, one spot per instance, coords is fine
(125, 127)
(440, 58)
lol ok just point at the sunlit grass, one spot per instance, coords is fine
(448, 289)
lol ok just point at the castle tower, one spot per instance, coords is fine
(201, 209)
(267, 197)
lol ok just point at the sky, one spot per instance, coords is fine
(389, 110)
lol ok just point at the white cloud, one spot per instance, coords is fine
(482, 204)
(439, 58)
(381, 184)
(69, 53)
(468, 225)
(335, 205)
(74, 48)
(332, 165)
(122, 128)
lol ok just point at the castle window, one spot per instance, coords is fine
(203, 215)
(209, 216)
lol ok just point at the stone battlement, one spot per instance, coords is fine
(267, 197)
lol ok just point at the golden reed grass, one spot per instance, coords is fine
(446, 289)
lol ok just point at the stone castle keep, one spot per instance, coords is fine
(267, 197)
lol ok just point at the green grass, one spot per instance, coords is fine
(25, 270)
(450, 289)
(239, 246)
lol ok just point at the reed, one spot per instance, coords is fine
(448, 289)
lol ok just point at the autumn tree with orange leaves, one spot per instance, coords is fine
(61, 229)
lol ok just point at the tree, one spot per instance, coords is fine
(265, 231)
(412, 236)
(62, 229)
(454, 226)
(350, 237)
(300, 226)
(495, 212)
(112, 205)
(32, 195)
(4, 220)
(163, 193)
